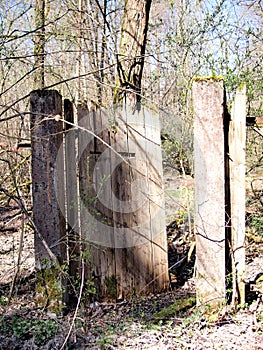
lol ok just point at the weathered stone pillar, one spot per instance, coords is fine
(47, 184)
(209, 164)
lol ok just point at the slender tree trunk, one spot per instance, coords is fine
(39, 79)
(80, 84)
(103, 49)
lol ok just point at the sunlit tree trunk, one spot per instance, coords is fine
(132, 50)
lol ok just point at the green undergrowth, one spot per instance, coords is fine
(25, 328)
(256, 223)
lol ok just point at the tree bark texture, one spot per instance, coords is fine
(132, 50)
(39, 47)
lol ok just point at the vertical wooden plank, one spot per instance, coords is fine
(156, 201)
(103, 225)
(86, 192)
(85, 149)
(48, 193)
(121, 193)
(209, 156)
(95, 216)
(73, 235)
(237, 154)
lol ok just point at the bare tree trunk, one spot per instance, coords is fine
(132, 50)
(80, 54)
(103, 48)
(39, 49)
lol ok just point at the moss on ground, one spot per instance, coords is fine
(180, 306)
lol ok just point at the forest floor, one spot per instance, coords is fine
(129, 324)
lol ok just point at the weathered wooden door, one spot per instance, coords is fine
(121, 200)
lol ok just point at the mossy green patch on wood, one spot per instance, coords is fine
(181, 305)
